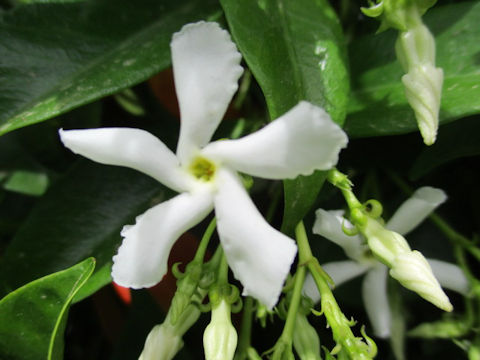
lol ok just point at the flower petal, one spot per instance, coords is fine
(142, 258)
(206, 70)
(339, 271)
(450, 276)
(259, 256)
(301, 141)
(329, 225)
(133, 148)
(375, 298)
(413, 211)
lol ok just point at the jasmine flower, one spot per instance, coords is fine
(206, 70)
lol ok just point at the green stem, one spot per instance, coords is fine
(454, 236)
(304, 251)
(341, 181)
(289, 327)
(243, 90)
(339, 324)
(202, 248)
(246, 330)
(223, 270)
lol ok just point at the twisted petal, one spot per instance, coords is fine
(413, 211)
(206, 70)
(133, 148)
(329, 225)
(339, 271)
(301, 141)
(259, 256)
(450, 276)
(374, 292)
(142, 258)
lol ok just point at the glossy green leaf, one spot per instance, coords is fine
(457, 140)
(56, 57)
(295, 50)
(79, 216)
(34, 316)
(300, 195)
(378, 104)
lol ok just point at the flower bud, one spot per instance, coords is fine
(305, 339)
(220, 337)
(162, 343)
(413, 271)
(385, 244)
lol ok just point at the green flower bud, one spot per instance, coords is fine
(220, 337)
(413, 271)
(305, 339)
(386, 245)
(163, 342)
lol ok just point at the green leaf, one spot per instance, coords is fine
(79, 216)
(300, 195)
(56, 57)
(295, 50)
(27, 182)
(457, 140)
(34, 316)
(378, 104)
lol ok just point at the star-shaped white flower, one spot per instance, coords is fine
(374, 290)
(206, 70)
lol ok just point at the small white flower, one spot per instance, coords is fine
(206, 70)
(374, 290)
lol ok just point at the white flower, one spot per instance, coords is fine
(206, 69)
(374, 290)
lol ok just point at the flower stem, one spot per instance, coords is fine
(202, 248)
(339, 324)
(245, 332)
(223, 270)
(341, 181)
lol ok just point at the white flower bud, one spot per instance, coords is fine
(423, 81)
(220, 337)
(413, 271)
(162, 343)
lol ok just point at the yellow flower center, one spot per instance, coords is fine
(202, 169)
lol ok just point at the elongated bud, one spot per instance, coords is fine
(415, 49)
(305, 339)
(220, 337)
(423, 81)
(162, 343)
(413, 271)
